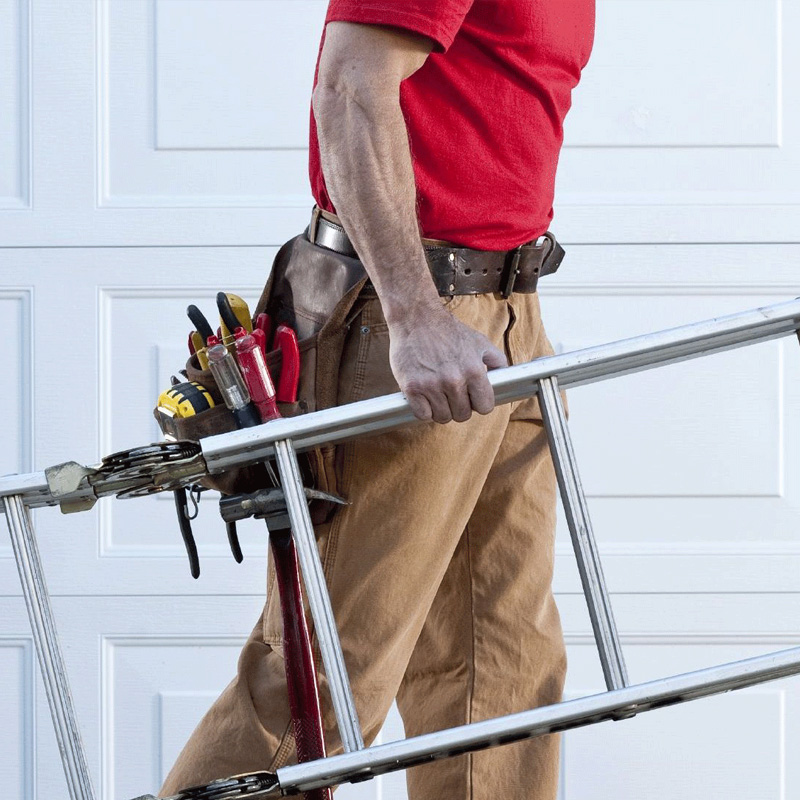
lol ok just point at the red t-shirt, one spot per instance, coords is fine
(484, 113)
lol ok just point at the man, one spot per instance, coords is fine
(436, 124)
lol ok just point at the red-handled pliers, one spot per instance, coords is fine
(286, 341)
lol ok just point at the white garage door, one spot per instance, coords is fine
(153, 152)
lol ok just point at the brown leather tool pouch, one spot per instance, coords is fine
(316, 292)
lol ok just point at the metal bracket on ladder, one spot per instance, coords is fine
(281, 439)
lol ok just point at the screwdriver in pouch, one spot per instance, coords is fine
(231, 384)
(237, 398)
(250, 355)
(254, 372)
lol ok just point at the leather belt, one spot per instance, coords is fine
(461, 270)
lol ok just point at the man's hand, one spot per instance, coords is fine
(440, 365)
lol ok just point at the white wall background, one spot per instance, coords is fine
(154, 151)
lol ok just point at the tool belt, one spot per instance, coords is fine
(460, 270)
(317, 287)
(316, 292)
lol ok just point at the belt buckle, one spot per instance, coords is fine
(511, 271)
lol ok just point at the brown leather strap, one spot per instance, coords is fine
(461, 270)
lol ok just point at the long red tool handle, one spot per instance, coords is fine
(301, 677)
(300, 673)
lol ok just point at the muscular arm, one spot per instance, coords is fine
(439, 363)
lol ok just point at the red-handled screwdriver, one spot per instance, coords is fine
(255, 373)
(231, 384)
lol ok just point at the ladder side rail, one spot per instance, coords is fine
(48, 650)
(318, 598)
(574, 368)
(405, 753)
(381, 759)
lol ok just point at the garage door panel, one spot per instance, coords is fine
(171, 112)
(682, 73)
(14, 105)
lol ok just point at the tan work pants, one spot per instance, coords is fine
(440, 578)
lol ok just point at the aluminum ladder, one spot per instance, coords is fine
(76, 488)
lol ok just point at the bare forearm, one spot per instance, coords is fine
(369, 175)
(440, 363)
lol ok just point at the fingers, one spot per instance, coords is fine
(430, 401)
(420, 406)
(444, 389)
(452, 396)
(456, 397)
(442, 412)
(481, 393)
(494, 358)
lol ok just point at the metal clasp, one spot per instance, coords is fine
(511, 271)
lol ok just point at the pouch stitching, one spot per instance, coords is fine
(343, 480)
(361, 361)
(284, 749)
(309, 315)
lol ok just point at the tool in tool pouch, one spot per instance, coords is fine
(237, 375)
(237, 363)
(238, 391)
(185, 400)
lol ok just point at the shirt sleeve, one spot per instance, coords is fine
(437, 19)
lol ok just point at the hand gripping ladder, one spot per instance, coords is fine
(75, 488)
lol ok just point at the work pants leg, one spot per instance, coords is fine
(492, 643)
(412, 493)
